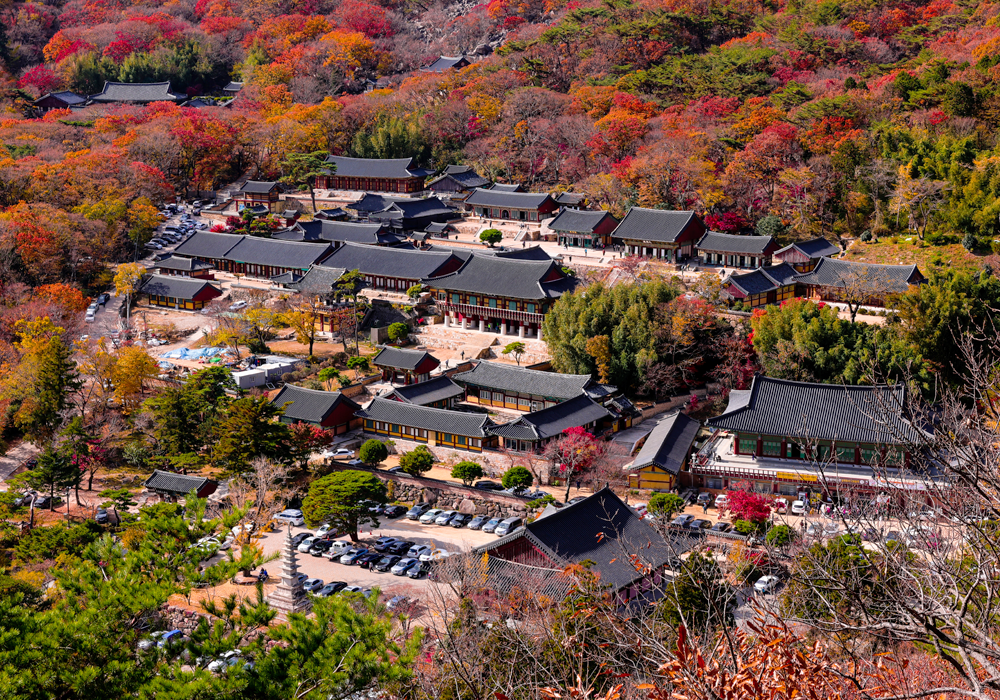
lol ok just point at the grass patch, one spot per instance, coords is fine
(927, 258)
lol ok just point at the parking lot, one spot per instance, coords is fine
(443, 537)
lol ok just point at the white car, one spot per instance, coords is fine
(722, 501)
(237, 306)
(798, 507)
(226, 661)
(418, 550)
(766, 584)
(337, 549)
(339, 453)
(402, 565)
(430, 516)
(291, 516)
(307, 544)
(323, 529)
(435, 555)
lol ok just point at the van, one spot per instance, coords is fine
(507, 526)
(291, 516)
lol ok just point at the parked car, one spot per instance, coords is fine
(227, 661)
(386, 563)
(367, 560)
(445, 517)
(430, 516)
(237, 306)
(290, 516)
(320, 547)
(417, 550)
(704, 498)
(721, 501)
(311, 585)
(682, 520)
(150, 641)
(403, 565)
(399, 547)
(102, 517)
(422, 569)
(488, 485)
(507, 526)
(324, 529)
(393, 512)
(103, 298)
(477, 522)
(894, 536)
(331, 588)
(766, 584)
(721, 527)
(576, 499)
(351, 589)
(300, 538)
(352, 555)
(491, 525)
(417, 511)
(24, 499)
(460, 520)
(337, 549)
(798, 507)
(699, 524)
(339, 453)
(306, 544)
(399, 603)
(435, 555)
(394, 470)
(383, 542)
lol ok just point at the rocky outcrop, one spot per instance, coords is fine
(453, 497)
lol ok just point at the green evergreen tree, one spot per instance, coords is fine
(344, 500)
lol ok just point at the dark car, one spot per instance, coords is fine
(416, 511)
(576, 499)
(102, 517)
(386, 563)
(721, 527)
(699, 525)
(331, 588)
(383, 542)
(24, 500)
(103, 299)
(43, 502)
(395, 511)
(489, 486)
(297, 539)
(321, 546)
(477, 522)
(682, 520)
(368, 560)
(460, 520)
(399, 547)
(420, 571)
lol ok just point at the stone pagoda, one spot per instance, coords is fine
(289, 596)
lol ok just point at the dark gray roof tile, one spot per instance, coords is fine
(309, 405)
(390, 168)
(865, 414)
(502, 377)
(739, 245)
(426, 418)
(403, 263)
(258, 187)
(277, 253)
(669, 444)
(513, 200)
(815, 248)
(179, 484)
(549, 422)
(658, 225)
(176, 287)
(136, 92)
(431, 391)
(880, 279)
(399, 358)
(493, 275)
(174, 262)
(575, 221)
(207, 244)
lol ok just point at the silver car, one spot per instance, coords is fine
(445, 517)
(492, 524)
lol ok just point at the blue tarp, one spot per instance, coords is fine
(191, 353)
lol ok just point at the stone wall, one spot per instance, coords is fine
(449, 496)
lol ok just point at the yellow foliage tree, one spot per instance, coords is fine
(133, 370)
(599, 347)
(128, 277)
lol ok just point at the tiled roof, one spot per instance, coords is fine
(398, 358)
(436, 227)
(492, 275)
(337, 213)
(569, 199)
(867, 414)
(176, 287)
(443, 63)
(880, 279)
(233, 86)
(371, 203)
(309, 405)
(730, 243)
(258, 187)
(413, 208)
(816, 248)
(173, 262)
(426, 418)
(179, 484)
(513, 200)
(431, 391)
(764, 279)
(287, 278)
(404, 263)
(362, 233)
(136, 92)
(390, 168)
(506, 187)
(503, 377)
(277, 253)
(206, 244)
(319, 279)
(463, 175)
(603, 530)
(549, 422)
(576, 221)
(658, 225)
(669, 444)
(70, 98)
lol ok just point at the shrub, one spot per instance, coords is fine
(417, 462)
(665, 504)
(467, 471)
(398, 332)
(491, 236)
(744, 527)
(373, 452)
(781, 536)
(517, 479)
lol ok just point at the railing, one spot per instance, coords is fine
(490, 312)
